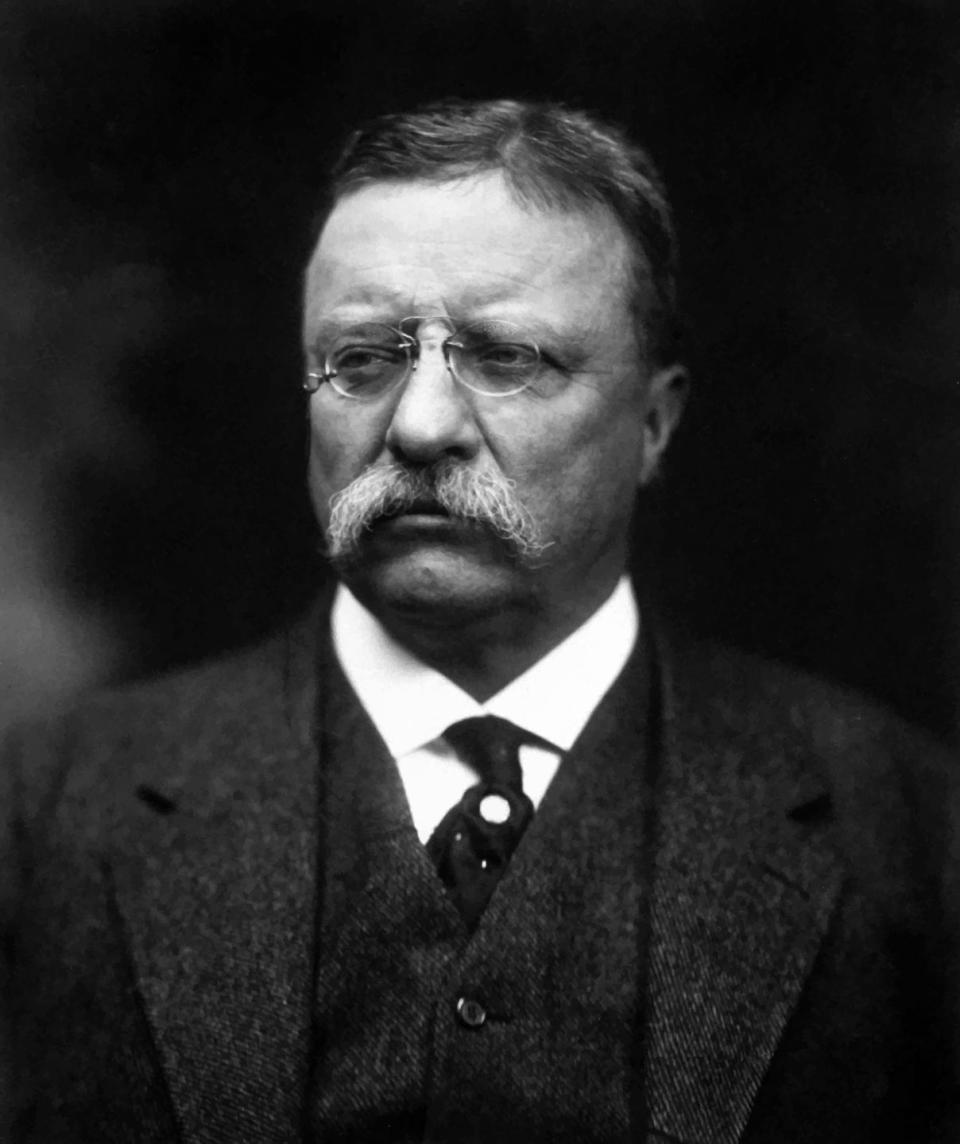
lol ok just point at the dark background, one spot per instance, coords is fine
(160, 167)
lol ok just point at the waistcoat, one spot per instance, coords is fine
(531, 1029)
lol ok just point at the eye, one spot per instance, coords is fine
(366, 356)
(505, 356)
(367, 362)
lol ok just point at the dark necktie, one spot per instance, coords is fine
(472, 845)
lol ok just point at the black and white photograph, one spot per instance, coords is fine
(479, 572)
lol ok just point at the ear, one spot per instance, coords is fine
(666, 397)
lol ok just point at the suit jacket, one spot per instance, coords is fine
(160, 874)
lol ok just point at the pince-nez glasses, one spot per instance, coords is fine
(491, 357)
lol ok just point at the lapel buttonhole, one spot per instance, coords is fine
(810, 811)
(785, 879)
(155, 800)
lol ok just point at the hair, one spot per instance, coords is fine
(552, 157)
(488, 498)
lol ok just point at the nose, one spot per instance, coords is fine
(433, 416)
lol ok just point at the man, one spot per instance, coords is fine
(477, 851)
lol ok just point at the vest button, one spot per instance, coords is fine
(471, 1013)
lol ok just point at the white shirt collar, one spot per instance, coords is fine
(412, 704)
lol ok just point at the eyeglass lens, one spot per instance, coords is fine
(490, 357)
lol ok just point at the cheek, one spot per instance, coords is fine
(591, 471)
(341, 447)
(583, 495)
(329, 467)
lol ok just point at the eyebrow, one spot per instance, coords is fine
(345, 317)
(567, 344)
(570, 344)
(383, 295)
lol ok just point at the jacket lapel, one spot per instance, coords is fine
(213, 866)
(214, 869)
(744, 886)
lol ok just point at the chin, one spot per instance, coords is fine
(437, 587)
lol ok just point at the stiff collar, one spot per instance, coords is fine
(411, 704)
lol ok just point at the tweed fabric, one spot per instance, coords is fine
(790, 857)
(160, 961)
(554, 961)
(158, 902)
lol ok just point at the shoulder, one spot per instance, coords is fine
(890, 789)
(862, 748)
(170, 723)
(762, 697)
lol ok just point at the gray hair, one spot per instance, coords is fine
(552, 157)
(487, 499)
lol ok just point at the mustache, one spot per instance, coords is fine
(382, 491)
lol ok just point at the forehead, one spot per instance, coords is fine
(465, 246)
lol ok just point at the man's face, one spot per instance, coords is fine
(573, 447)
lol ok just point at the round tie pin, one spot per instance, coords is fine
(494, 809)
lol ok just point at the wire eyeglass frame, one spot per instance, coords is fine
(412, 347)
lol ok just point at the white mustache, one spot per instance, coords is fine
(382, 491)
